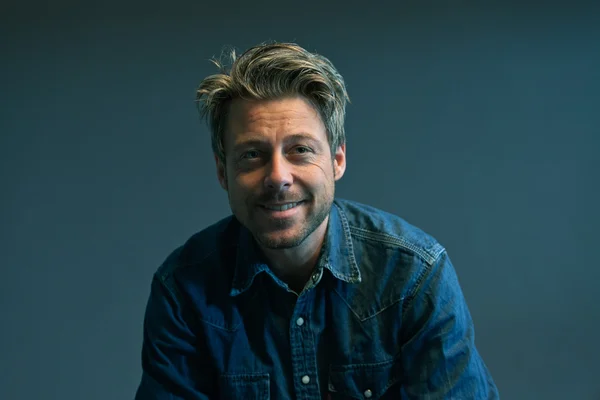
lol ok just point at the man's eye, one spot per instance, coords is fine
(302, 149)
(249, 155)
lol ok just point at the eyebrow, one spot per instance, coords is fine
(257, 141)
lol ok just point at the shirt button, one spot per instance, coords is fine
(306, 379)
(368, 394)
(300, 321)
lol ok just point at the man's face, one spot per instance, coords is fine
(279, 174)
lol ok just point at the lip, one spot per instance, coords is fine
(281, 214)
(280, 204)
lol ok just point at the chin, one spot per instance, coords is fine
(279, 241)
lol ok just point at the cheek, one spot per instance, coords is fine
(325, 176)
(242, 187)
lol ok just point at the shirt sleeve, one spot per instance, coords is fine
(439, 357)
(172, 366)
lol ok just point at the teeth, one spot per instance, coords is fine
(282, 208)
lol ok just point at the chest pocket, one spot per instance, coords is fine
(363, 381)
(244, 386)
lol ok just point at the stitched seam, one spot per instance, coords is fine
(232, 329)
(368, 316)
(390, 384)
(392, 304)
(168, 275)
(411, 294)
(244, 286)
(347, 237)
(352, 367)
(244, 375)
(346, 367)
(428, 256)
(162, 278)
(394, 240)
(348, 305)
(345, 278)
(174, 291)
(417, 285)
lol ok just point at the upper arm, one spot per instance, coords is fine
(439, 356)
(172, 363)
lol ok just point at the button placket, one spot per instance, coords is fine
(306, 380)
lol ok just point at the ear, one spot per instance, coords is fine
(221, 172)
(339, 162)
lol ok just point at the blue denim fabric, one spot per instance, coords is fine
(383, 317)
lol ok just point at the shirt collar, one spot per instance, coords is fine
(337, 254)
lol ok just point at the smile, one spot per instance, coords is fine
(281, 207)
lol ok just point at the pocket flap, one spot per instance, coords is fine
(363, 381)
(245, 386)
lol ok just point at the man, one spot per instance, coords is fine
(299, 295)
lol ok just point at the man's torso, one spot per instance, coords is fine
(342, 336)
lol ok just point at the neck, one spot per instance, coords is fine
(294, 266)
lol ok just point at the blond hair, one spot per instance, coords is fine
(271, 71)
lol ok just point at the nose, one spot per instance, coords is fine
(279, 174)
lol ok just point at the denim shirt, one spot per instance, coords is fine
(383, 317)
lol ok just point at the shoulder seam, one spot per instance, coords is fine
(430, 256)
(166, 281)
(417, 285)
(164, 276)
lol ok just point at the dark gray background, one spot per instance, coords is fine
(477, 123)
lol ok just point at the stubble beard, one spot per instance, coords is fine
(271, 240)
(308, 226)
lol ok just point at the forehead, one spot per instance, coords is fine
(273, 119)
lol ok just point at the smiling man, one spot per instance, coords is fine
(299, 294)
(280, 180)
